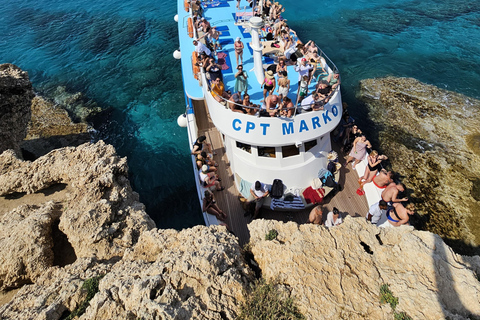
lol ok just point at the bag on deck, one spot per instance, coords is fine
(277, 189)
(331, 166)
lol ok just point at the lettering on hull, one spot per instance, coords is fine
(288, 128)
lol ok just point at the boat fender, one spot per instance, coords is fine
(182, 120)
(177, 54)
(175, 18)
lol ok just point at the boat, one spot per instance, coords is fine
(251, 147)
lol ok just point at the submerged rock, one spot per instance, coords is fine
(16, 95)
(430, 136)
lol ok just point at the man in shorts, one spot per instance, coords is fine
(259, 191)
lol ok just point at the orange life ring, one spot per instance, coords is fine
(187, 5)
(195, 67)
(190, 27)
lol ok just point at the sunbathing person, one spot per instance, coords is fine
(333, 80)
(373, 166)
(210, 206)
(389, 195)
(383, 179)
(324, 90)
(218, 91)
(398, 215)
(269, 84)
(315, 216)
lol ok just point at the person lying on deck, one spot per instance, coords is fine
(383, 179)
(389, 195)
(398, 215)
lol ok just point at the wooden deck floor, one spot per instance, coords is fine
(347, 200)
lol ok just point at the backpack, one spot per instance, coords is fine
(330, 182)
(277, 189)
(332, 167)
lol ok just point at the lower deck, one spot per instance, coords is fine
(347, 200)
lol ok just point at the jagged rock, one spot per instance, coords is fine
(431, 137)
(197, 273)
(15, 98)
(79, 107)
(100, 215)
(51, 128)
(336, 273)
(25, 244)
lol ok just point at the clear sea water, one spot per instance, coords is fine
(119, 54)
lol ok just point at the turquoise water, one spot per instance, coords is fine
(119, 54)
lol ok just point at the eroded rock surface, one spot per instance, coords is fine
(336, 273)
(100, 214)
(432, 138)
(15, 98)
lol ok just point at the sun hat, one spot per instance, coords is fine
(238, 39)
(269, 74)
(204, 168)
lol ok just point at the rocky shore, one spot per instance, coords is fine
(72, 230)
(431, 136)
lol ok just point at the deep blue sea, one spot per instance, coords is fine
(119, 54)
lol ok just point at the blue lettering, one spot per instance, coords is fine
(234, 123)
(325, 117)
(334, 110)
(264, 126)
(303, 126)
(250, 126)
(287, 128)
(316, 122)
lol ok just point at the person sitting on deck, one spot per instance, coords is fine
(201, 143)
(333, 218)
(312, 103)
(324, 90)
(373, 166)
(383, 179)
(210, 206)
(376, 211)
(359, 150)
(209, 179)
(398, 215)
(203, 158)
(248, 106)
(333, 79)
(218, 91)
(315, 216)
(389, 195)
(200, 47)
(259, 192)
(235, 103)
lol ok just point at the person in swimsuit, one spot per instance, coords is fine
(389, 195)
(315, 216)
(269, 84)
(358, 151)
(281, 66)
(283, 83)
(398, 215)
(210, 206)
(373, 167)
(383, 179)
(287, 108)
(238, 44)
(271, 103)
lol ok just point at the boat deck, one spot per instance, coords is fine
(347, 200)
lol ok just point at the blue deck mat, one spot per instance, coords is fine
(222, 28)
(225, 34)
(216, 4)
(226, 41)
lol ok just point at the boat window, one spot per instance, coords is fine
(289, 151)
(244, 147)
(268, 152)
(310, 144)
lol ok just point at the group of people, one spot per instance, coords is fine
(276, 82)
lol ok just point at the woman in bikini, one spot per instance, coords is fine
(269, 84)
(283, 84)
(372, 168)
(281, 66)
(238, 44)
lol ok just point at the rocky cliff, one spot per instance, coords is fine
(16, 95)
(432, 138)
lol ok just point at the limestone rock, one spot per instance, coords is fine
(15, 98)
(100, 215)
(336, 273)
(51, 128)
(432, 139)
